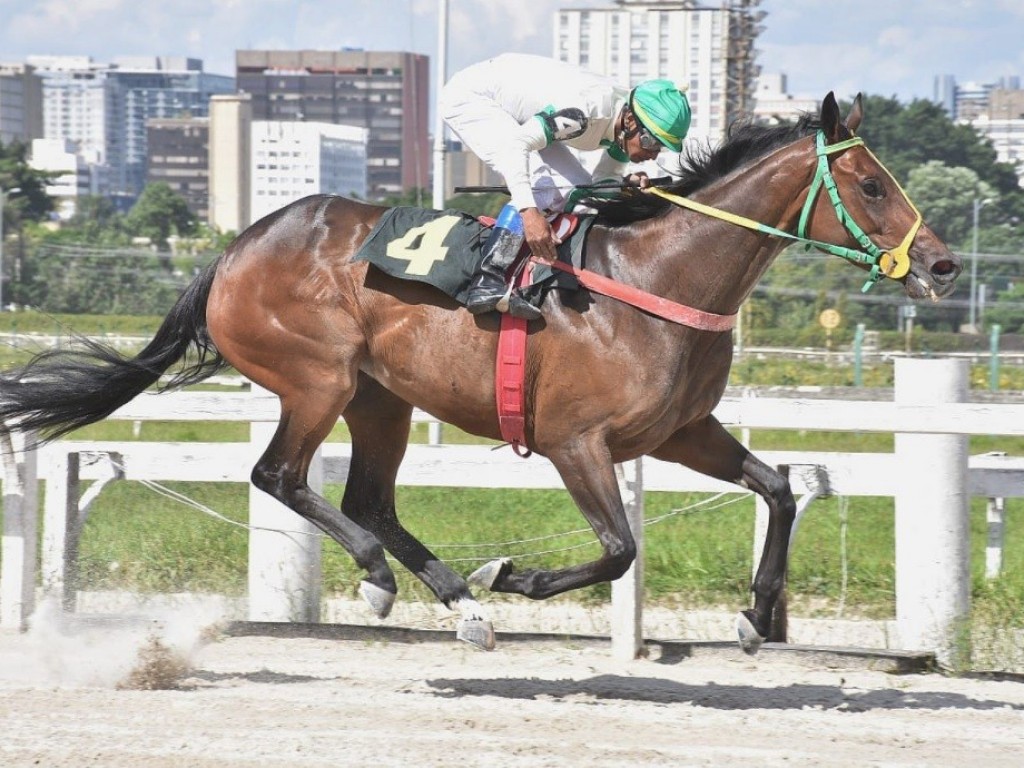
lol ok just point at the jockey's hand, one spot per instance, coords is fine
(639, 179)
(539, 237)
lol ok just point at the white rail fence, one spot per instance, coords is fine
(929, 474)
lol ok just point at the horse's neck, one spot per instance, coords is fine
(715, 264)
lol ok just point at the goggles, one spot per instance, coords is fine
(648, 142)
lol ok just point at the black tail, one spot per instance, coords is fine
(61, 390)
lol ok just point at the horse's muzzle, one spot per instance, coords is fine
(936, 281)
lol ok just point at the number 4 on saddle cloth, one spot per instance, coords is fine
(443, 249)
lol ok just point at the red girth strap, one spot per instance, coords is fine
(510, 371)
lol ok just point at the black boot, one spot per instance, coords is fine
(489, 291)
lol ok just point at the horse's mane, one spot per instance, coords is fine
(701, 165)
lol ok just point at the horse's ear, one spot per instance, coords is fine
(831, 123)
(853, 119)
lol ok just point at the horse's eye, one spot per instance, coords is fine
(872, 188)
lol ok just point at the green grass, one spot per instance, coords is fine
(141, 541)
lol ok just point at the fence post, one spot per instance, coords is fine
(996, 533)
(993, 360)
(858, 355)
(20, 528)
(61, 526)
(434, 433)
(932, 521)
(284, 549)
(628, 590)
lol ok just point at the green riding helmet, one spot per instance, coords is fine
(663, 110)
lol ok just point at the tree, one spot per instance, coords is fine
(945, 196)
(159, 213)
(70, 279)
(905, 137)
(30, 203)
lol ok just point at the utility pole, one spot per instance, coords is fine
(442, 76)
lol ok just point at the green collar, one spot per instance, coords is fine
(616, 152)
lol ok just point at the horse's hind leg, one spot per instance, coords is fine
(379, 424)
(707, 447)
(306, 420)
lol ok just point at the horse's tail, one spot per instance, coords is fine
(60, 390)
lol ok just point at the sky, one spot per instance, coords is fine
(879, 47)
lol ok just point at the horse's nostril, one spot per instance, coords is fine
(945, 268)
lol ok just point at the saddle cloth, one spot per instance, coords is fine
(443, 249)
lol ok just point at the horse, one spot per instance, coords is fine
(286, 306)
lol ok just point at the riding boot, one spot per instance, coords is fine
(490, 290)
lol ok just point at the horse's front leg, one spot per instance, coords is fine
(707, 447)
(589, 475)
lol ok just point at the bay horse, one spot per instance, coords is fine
(287, 307)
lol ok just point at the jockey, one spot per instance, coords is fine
(521, 114)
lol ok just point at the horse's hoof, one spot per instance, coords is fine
(476, 632)
(486, 575)
(380, 600)
(750, 638)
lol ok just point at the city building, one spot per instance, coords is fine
(708, 51)
(153, 87)
(1006, 104)
(386, 93)
(464, 169)
(995, 110)
(74, 180)
(291, 160)
(179, 156)
(230, 144)
(970, 100)
(103, 108)
(773, 103)
(944, 94)
(76, 105)
(1007, 138)
(21, 103)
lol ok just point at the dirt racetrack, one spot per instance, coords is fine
(390, 700)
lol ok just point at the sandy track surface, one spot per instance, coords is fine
(301, 701)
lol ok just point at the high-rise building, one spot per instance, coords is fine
(971, 100)
(707, 51)
(179, 156)
(386, 93)
(153, 87)
(230, 148)
(291, 160)
(103, 108)
(773, 102)
(944, 94)
(73, 179)
(21, 104)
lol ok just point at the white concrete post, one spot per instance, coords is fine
(60, 526)
(932, 523)
(994, 514)
(628, 590)
(284, 561)
(20, 528)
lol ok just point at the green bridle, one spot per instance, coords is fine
(893, 264)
